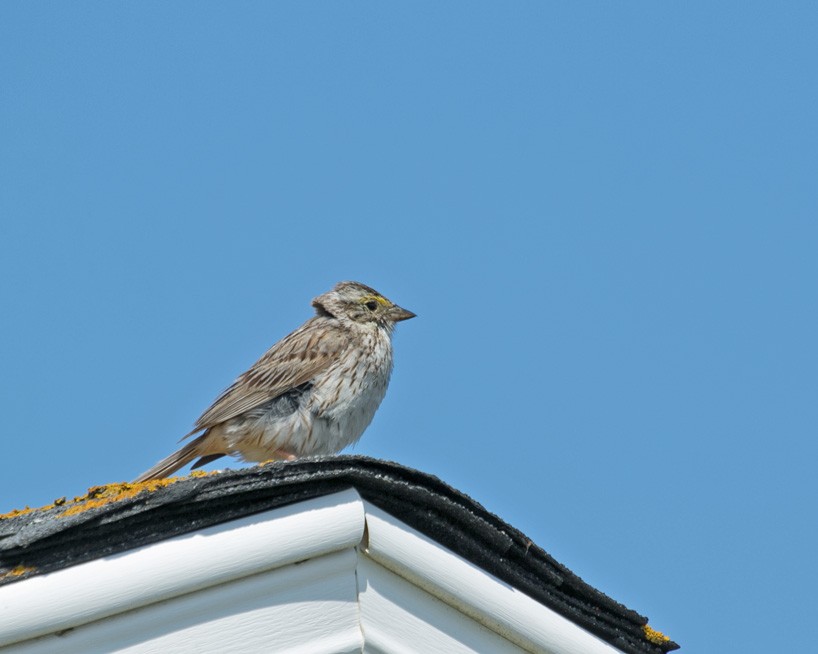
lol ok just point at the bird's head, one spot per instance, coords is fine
(360, 303)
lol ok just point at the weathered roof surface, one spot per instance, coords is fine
(115, 518)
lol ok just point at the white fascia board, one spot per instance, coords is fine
(398, 617)
(470, 589)
(310, 606)
(170, 568)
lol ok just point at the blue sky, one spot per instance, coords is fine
(605, 216)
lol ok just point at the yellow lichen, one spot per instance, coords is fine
(102, 495)
(17, 571)
(15, 512)
(656, 637)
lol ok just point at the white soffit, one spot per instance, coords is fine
(478, 594)
(215, 555)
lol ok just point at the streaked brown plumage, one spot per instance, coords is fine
(313, 392)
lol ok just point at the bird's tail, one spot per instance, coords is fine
(178, 459)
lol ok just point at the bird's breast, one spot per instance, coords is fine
(353, 387)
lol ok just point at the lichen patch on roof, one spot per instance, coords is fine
(15, 512)
(101, 495)
(17, 571)
(654, 636)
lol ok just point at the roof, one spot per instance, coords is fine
(120, 517)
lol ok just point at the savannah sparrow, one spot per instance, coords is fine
(313, 392)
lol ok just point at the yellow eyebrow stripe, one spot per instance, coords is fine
(376, 298)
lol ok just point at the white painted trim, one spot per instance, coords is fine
(393, 604)
(304, 607)
(461, 584)
(232, 550)
(397, 617)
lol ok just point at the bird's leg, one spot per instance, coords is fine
(283, 455)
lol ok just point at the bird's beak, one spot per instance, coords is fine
(396, 314)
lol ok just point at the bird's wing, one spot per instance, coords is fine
(293, 361)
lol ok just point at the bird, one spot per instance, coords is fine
(314, 392)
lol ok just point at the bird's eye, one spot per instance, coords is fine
(371, 305)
